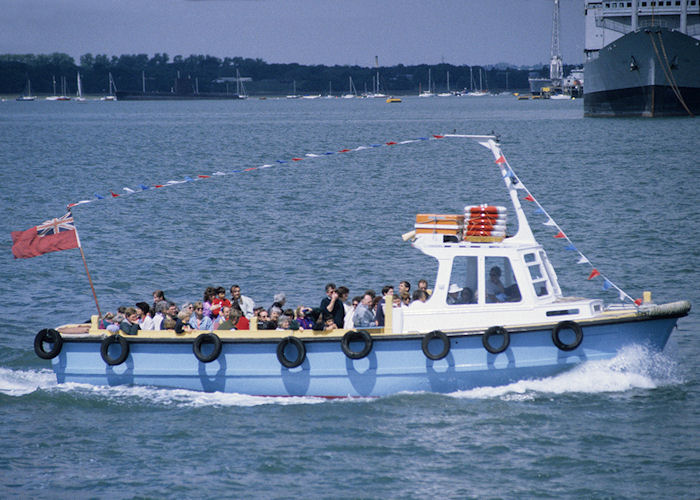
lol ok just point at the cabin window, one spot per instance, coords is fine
(499, 280)
(463, 281)
(537, 274)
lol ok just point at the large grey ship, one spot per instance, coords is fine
(642, 58)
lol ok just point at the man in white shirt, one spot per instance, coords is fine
(245, 304)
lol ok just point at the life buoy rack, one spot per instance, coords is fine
(356, 335)
(104, 350)
(496, 330)
(206, 338)
(282, 357)
(567, 325)
(435, 334)
(48, 336)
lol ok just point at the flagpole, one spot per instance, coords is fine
(82, 254)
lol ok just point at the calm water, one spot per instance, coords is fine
(625, 191)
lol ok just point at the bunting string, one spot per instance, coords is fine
(502, 162)
(126, 191)
(560, 234)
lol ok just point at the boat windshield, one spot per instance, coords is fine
(463, 281)
(499, 280)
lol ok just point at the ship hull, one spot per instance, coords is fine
(393, 363)
(651, 72)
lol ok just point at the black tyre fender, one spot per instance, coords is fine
(104, 350)
(206, 338)
(354, 336)
(436, 334)
(49, 336)
(567, 325)
(496, 330)
(301, 349)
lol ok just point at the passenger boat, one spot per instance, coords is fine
(497, 315)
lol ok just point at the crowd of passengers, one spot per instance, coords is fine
(217, 311)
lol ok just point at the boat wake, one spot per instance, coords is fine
(22, 382)
(634, 367)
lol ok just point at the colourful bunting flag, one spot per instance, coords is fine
(593, 274)
(501, 159)
(529, 198)
(560, 235)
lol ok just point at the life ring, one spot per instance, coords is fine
(48, 336)
(301, 350)
(206, 338)
(356, 335)
(567, 325)
(435, 334)
(104, 350)
(496, 330)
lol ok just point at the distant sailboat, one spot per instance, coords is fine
(476, 93)
(79, 94)
(376, 92)
(294, 94)
(429, 92)
(352, 91)
(27, 96)
(330, 91)
(447, 93)
(112, 96)
(63, 96)
(240, 88)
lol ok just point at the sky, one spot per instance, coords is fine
(329, 32)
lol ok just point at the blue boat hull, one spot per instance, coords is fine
(395, 363)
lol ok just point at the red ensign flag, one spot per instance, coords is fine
(50, 236)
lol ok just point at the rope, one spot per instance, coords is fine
(667, 71)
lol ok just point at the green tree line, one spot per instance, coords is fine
(160, 73)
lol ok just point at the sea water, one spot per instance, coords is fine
(624, 191)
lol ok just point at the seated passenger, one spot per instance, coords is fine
(423, 285)
(495, 291)
(227, 319)
(329, 322)
(420, 296)
(305, 323)
(160, 314)
(183, 318)
(278, 303)
(208, 300)
(364, 317)
(130, 324)
(454, 294)
(220, 297)
(116, 322)
(245, 304)
(283, 323)
(199, 321)
(145, 317)
(264, 322)
(106, 320)
(171, 313)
